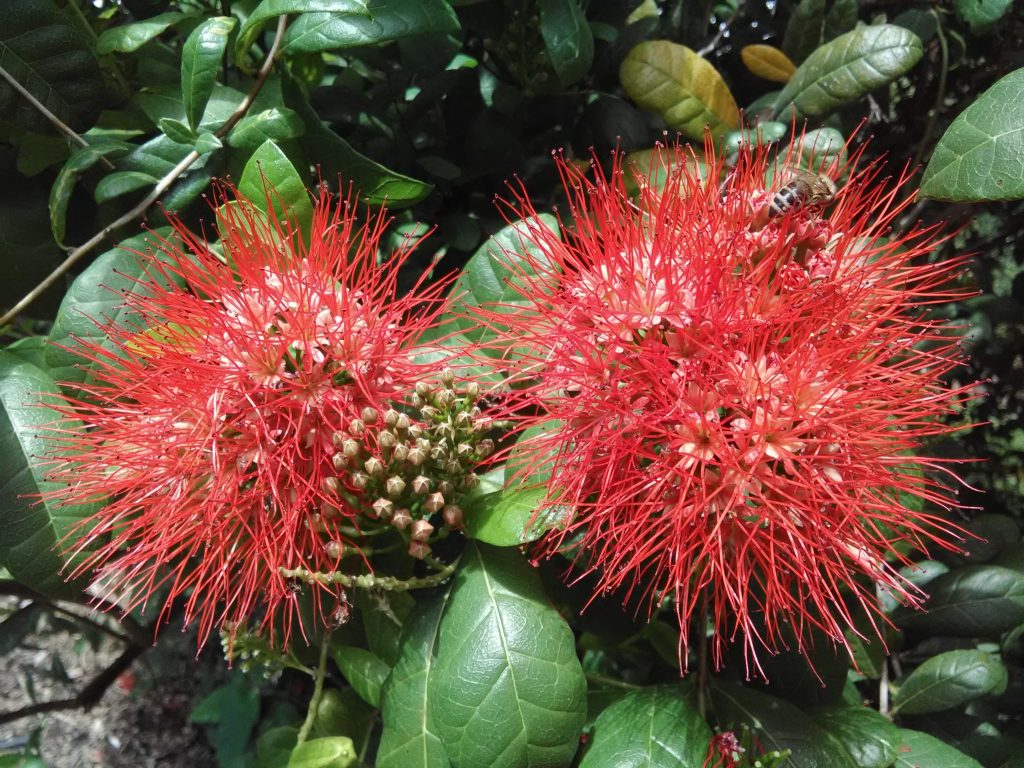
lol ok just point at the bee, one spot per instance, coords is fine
(802, 189)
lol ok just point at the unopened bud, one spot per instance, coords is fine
(403, 422)
(337, 438)
(390, 417)
(383, 508)
(422, 388)
(395, 486)
(447, 377)
(452, 467)
(445, 398)
(452, 515)
(439, 452)
(340, 462)
(429, 412)
(445, 487)
(359, 480)
(417, 456)
(470, 481)
(472, 390)
(333, 550)
(418, 549)
(420, 485)
(374, 467)
(463, 420)
(463, 450)
(416, 400)
(485, 448)
(351, 448)
(356, 427)
(434, 502)
(421, 530)
(316, 522)
(331, 486)
(401, 452)
(401, 518)
(369, 415)
(387, 440)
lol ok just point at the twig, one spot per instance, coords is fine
(59, 124)
(723, 28)
(88, 696)
(160, 187)
(318, 689)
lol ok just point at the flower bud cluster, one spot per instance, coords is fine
(409, 469)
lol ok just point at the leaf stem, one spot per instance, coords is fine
(161, 186)
(318, 690)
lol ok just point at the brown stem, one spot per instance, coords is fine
(161, 186)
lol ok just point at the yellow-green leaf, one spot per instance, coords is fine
(768, 62)
(679, 85)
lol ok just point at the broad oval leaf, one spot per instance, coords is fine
(673, 81)
(803, 32)
(949, 680)
(919, 750)
(52, 59)
(567, 39)
(122, 183)
(869, 737)
(841, 18)
(768, 62)
(819, 149)
(971, 601)
(510, 518)
(387, 21)
(779, 726)
(981, 14)
(80, 161)
(508, 690)
(650, 727)
(979, 155)
(408, 738)
(847, 68)
(275, 124)
(328, 752)
(364, 671)
(95, 299)
(33, 529)
(268, 10)
(270, 180)
(125, 38)
(200, 60)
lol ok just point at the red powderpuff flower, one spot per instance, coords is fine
(742, 393)
(213, 427)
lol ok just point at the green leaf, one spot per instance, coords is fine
(408, 738)
(847, 68)
(684, 89)
(207, 142)
(126, 38)
(567, 38)
(487, 278)
(507, 689)
(275, 746)
(919, 750)
(819, 149)
(868, 736)
(364, 671)
(275, 124)
(230, 713)
(200, 60)
(948, 680)
(37, 152)
(33, 529)
(981, 14)
(803, 32)
(122, 183)
(971, 601)
(841, 18)
(658, 726)
(270, 179)
(176, 130)
(329, 752)
(96, 297)
(164, 102)
(779, 725)
(978, 157)
(80, 161)
(263, 13)
(510, 517)
(384, 615)
(53, 60)
(388, 20)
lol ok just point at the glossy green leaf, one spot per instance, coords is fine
(684, 89)
(364, 671)
(408, 738)
(268, 10)
(971, 601)
(164, 103)
(388, 20)
(489, 277)
(200, 61)
(274, 747)
(125, 38)
(36, 153)
(980, 15)
(654, 726)
(779, 725)
(869, 737)
(80, 161)
(567, 38)
(33, 529)
(207, 142)
(328, 752)
(803, 32)
(507, 689)
(979, 155)
(52, 59)
(841, 18)
(230, 713)
(176, 130)
(122, 183)
(275, 124)
(94, 299)
(270, 179)
(847, 68)
(510, 517)
(919, 750)
(384, 615)
(819, 149)
(948, 680)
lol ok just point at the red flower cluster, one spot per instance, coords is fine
(215, 428)
(742, 395)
